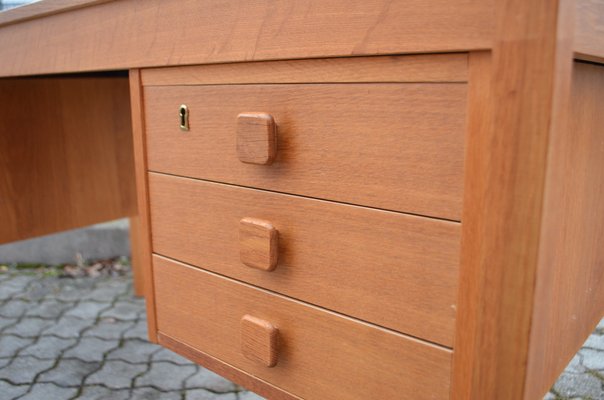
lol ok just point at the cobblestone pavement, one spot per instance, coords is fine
(85, 338)
(583, 378)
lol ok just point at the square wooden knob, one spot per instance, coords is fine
(258, 244)
(256, 138)
(259, 341)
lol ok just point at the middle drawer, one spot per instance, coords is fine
(392, 269)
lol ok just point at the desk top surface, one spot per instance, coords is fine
(59, 36)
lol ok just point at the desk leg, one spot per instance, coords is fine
(137, 262)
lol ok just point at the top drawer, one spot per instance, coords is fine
(396, 146)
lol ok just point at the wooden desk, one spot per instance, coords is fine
(368, 197)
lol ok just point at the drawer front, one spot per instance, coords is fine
(391, 146)
(395, 270)
(317, 354)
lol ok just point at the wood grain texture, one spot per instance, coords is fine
(143, 227)
(259, 341)
(225, 370)
(39, 9)
(256, 138)
(404, 268)
(136, 257)
(52, 174)
(469, 317)
(258, 244)
(569, 300)
(393, 146)
(128, 34)
(410, 68)
(322, 355)
(589, 30)
(506, 166)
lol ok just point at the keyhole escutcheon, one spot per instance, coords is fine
(183, 114)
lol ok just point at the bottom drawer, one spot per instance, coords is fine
(317, 354)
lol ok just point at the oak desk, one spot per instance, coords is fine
(337, 199)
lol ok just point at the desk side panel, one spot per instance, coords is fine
(505, 171)
(569, 300)
(67, 154)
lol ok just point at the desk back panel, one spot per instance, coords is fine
(70, 160)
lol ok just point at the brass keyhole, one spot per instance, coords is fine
(183, 114)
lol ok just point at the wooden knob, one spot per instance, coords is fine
(259, 340)
(256, 138)
(258, 244)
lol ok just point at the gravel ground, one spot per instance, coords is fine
(81, 334)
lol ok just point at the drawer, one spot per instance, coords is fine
(318, 354)
(395, 270)
(395, 146)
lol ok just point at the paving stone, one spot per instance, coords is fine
(39, 290)
(10, 344)
(4, 362)
(50, 309)
(8, 292)
(138, 331)
(24, 369)
(249, 396)
(579, 385)
(69, 373)
(139, 301)
(109, 329)
(102, 393)
(49, 391)
(576, 365)
(134, 350)
(165, 376)
(72, 293)
(5, 322)
(91, 349)
(123, 311)
(153, 394)
(595, 342)
(206, 379)
(167, 355)
(29, 327)
(14, 309)
(88, 310)
(105, 293)
(593, 359)
(116, 374)
(18, 283)
(548, 396)
(121, 285)
(201, 394)
(48, 347)
(69, 327)
(10, 392)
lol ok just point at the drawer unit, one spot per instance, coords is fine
(304, 219)
(371, 264)
(318, 354)
(393, 146)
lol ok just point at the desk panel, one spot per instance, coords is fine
(67, 159)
